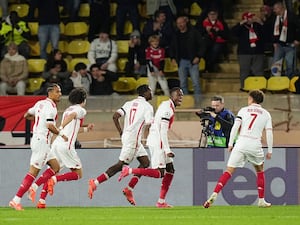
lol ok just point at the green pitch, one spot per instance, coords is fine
(221, 215)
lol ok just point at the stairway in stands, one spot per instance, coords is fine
(227, 79)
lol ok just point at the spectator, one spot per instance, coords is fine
(167, 6)
(286, 36)
(136, 55)
(217, 33)
(124, 8)
(98, 7)
(159, 26)
(71, 8)
(56, 55)
(13, 29)
(187, 48)
(249, 33)
(49, 20)
(13, 72)
(104, 52)
(81, 77)
(101, 81)
(155, 57)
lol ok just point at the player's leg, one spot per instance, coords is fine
(260, 181)
(165, 185)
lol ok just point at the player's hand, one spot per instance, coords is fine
(171, 154)
(90, 126)
(65, 138)
(268, 155)
(230, 148)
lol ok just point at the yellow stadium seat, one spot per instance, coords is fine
(36, 65)
(21, 9)
(292, 87)
(202, 64)
(113, 29)
(169, 67)
(188, 102)
(62, 46)
(257, 82)
(195, 9)
(121, 64)
(84, 10)
(61, 28)
(142, 10)
(1, 12)
(74, 61)
(278, 83)
(78, 47)
(141, 81)
(34, 84)
(34, 27)
(125, 84)
(113, 9)
(123, 46)
(73, 29)
(34, 48)
(160, 99)
(128, 28)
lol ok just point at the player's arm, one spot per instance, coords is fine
(28, 116)
(86, 127)
(67, 119)
(269, 136)
(164, 127)
(234, 131)
(116, 117)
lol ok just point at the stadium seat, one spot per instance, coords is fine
(169, 67)
(113, 9)
(36, 65)
(123, 46)
(257, 82)
(292, 87)
(33, 27)
(21, 9)
(142, 10)
(113, 29)
(78, 47)
(141, 81)
(75, 29)
(34, 84)
(125, 84)
(121, 64)
(187, 103)
(62, 46)
(61, 28)
(278, 83)
(74, 61)
(202, 64)
(84, 10)
(35, 50)
(1, 12)
(195, 9)
(128, 28)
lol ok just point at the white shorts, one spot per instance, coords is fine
(239, 157)
(41, 152)
(66, 157)
(158, 157)
(128, 152)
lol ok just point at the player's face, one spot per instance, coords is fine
(217, 105)
(177, 97)
(148, 95)
(250, 100)
(55, 94)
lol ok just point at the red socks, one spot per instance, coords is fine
(67, 177)
(48, 173)
(148, 172)
(261, 184)
(103, 177)
(222, 181)
(134, 180)
(26, 183)
(165, 184)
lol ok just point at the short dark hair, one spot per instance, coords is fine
(174, 89)
(257, 96)
(80, 66)
(141, 90)
(218, 98)
(77, 96)
(94, 66)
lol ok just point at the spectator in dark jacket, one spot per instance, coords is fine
(249, 33)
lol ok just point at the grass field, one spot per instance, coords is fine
(221, 215)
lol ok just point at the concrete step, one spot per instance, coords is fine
(232, 67)
(222, 85)
(249, 2)
(220, 76)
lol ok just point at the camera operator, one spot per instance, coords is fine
(217, 123)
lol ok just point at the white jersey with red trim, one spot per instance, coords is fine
(45, 112)
(72, 128)
(254, 119)
(163, 120)
(137, 113)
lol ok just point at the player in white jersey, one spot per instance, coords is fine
(71, 124)
(157, 141)
(44, 114)
(138, 115)
(250, 122)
